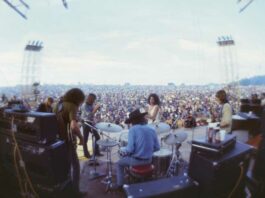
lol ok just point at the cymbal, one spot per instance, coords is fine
(176, 138)
(160, 127)
(124, 135)
(107, 143)
(108, 127)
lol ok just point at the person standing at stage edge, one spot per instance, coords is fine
(153, 108)
(66, 113)
(88, 111)
(226, 111)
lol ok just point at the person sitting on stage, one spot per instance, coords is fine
(226, 111)
(46, 106)
(142, 142)
(88, 111)
(66, 113)
(153, 108)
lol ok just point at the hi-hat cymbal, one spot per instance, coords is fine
(176, 138)
(160, 127)
(108, 127)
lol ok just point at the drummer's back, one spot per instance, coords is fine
(144, 137)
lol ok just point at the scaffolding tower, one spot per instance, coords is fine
(31, 70)
(229, 66)
(227, 59)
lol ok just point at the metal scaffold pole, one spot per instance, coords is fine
(30, 71)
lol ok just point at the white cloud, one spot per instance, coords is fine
(187, 44)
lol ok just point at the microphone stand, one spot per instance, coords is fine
(93, 162)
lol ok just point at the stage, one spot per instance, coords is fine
(94, 188)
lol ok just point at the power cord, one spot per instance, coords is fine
(238, 180)
(22, 165)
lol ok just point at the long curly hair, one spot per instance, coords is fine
(156, 98)
(221, 95)
(74, 95)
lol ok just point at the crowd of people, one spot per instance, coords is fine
(176, 103)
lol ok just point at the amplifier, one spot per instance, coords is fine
(218, 177)
(181, 186)
(246, 121)
(47, 165)
(214, 149)
(31, 126)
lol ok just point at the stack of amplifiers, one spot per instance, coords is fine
(181, 187)
(47, 165)
(218, 177)
(35, 127)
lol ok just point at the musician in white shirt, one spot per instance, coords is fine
(226, 111)
(153, 108)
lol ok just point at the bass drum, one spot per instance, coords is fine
(161, 161)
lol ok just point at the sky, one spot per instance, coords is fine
(139, 41)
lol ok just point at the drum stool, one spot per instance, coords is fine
(141, 172)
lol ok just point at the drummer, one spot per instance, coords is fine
(142, 142)
(153, 108)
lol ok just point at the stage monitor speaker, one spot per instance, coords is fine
(218, 177)
(181, 187)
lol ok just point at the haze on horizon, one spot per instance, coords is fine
(140, 42)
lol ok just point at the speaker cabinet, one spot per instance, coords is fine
(218, 177)
(47, 165)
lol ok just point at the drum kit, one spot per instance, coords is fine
(166, 161)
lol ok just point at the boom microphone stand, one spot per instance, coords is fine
(93, 161)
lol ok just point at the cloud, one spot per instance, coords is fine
(187, 44)
(10, 58)
(115, 34)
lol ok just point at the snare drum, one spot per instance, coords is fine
(123, 139)
(161, 161)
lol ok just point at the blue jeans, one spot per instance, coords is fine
(86, 131)
(125, 162)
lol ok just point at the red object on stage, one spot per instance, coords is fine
(142, 170)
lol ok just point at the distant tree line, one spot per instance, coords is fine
(255, 80)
